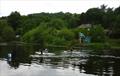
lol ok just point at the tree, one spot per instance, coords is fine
(97, 33)
(103, 7)
(67, 34)
(34, 36)
(57, 24)
(94, 15)
(6, 32)
(117, 10)
(83, 18)
(14, 19)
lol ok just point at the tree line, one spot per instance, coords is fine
(60, 28)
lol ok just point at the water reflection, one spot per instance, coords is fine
(54, 66)
(12, 58)
(15, 55)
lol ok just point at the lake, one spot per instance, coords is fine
(29, 62)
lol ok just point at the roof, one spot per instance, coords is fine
(85, 26)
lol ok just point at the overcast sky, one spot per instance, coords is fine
(36, 6)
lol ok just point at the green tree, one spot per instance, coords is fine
(34, 37)
(6, 32)
(57, 24)
(98, 34)
(67, 34)
(94, 15)
(14, 19)
(117, 10)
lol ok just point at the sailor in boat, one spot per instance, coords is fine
(46, 50)
(42, 52)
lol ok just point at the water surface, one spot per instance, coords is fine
(29, 63)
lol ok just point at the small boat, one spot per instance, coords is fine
(44, 53)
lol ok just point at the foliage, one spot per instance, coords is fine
(14, 20)
(50, 36)
(97, 33)
(6, 32)
(57, 24)
(34, 36)
(67, 34)
(61, 28)
(107, 17)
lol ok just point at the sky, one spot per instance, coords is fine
(52, 6)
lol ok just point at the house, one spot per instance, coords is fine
(82, 37)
